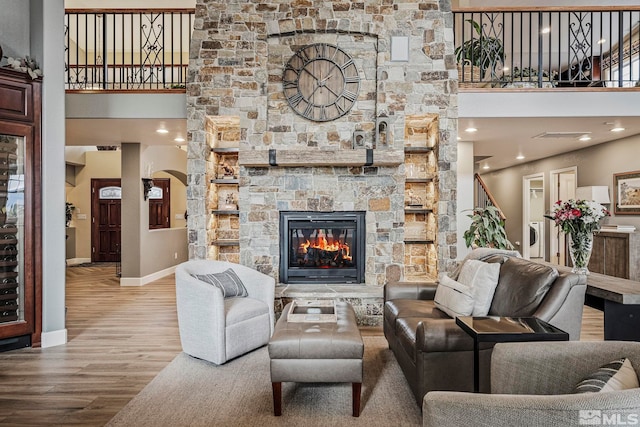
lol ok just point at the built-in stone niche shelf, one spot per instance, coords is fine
(297, 158)
(367, 301)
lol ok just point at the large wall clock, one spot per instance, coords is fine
(321, 82)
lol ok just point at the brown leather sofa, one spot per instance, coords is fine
(435, 354)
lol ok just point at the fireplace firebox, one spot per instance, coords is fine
(322, 247)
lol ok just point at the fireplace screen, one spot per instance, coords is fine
(321, 247)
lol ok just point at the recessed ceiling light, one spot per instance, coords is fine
(519, 157)
(617, 129)
(471, 130)
(179, 139)
(162, 131)
(584, 138)
(458, 138)
(546, 30)
(601, 41)
(505, 68)
(485, 167)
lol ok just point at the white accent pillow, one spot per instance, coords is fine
(482, 277)
(453, 297)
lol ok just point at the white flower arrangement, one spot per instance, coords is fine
(26, 65)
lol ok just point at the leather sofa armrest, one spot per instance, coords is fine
(441, 335)
(558, 293)
(410, 290)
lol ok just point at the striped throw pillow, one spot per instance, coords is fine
(617, 375)
(227, 281)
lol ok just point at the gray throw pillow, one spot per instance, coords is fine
(227, 281)
(617, 375)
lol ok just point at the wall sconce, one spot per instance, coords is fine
(358, 139)
(147, 183)
(597, 193)
(382, 131)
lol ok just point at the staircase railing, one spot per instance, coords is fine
(483, 196)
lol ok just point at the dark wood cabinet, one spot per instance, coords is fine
(20, 211)
(615, 254)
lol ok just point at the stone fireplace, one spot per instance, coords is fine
(241, 118)
(322, 247)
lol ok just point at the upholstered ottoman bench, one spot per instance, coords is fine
(327, 352)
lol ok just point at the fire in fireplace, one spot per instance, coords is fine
(322, 247)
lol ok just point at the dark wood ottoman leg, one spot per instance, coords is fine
(277, 398)
(355, 390)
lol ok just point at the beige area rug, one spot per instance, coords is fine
(192, 392)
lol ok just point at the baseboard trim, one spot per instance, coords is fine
(141, 281)
(78, 261)
(53, 338)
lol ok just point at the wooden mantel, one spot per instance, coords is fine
(306, 157)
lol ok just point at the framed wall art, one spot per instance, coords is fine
(626, 194)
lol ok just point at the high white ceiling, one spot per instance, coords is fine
(501, 140)
(84, 132)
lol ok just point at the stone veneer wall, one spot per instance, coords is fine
(238, 51)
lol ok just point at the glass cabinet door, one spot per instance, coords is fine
(20, 211)
(12, 223)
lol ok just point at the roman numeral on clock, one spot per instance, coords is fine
(347, 94)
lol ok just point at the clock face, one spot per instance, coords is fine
(321, 82)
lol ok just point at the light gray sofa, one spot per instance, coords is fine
(218, 329)
(435, 354)
(532, 385)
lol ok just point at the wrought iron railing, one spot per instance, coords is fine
(127, 49)
(548, 47)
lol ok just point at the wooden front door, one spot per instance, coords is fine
(159, 203)
(105, 219)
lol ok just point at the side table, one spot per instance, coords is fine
(505, 329)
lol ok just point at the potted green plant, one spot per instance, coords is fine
(526, 77)
(482, 51)
(486, 229)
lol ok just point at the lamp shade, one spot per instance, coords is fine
(597, 193)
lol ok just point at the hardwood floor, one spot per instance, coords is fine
(119, 339)
(592, 325)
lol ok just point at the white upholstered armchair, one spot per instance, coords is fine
(532, 385)
(215, 328)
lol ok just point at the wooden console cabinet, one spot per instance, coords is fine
(20, 211)
(616, 254)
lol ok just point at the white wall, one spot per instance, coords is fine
(465, 193)
(14, 29)
(46, 42)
